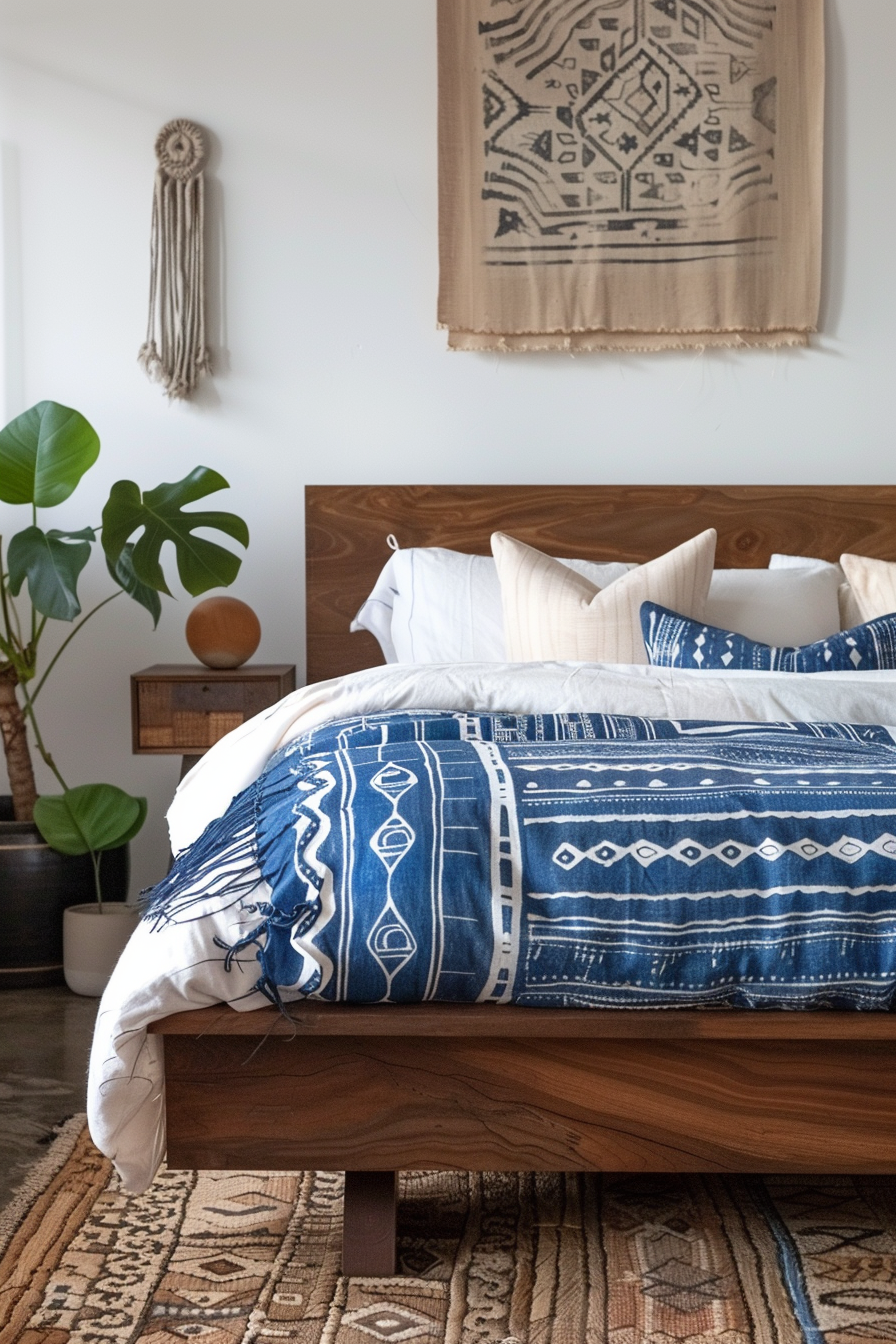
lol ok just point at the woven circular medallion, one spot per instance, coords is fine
(180, 149)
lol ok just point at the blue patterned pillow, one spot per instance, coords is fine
(678, 641)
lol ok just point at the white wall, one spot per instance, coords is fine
(323, 178)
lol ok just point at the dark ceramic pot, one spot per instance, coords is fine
(36, 885)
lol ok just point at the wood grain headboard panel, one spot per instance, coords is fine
(347, 525)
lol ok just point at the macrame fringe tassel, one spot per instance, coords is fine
(175, 353)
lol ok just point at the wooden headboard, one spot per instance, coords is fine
(347, 525)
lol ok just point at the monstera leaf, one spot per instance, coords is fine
(91, 817)
(44, 453)
(123, 574)
(51, 562)
(201, 564)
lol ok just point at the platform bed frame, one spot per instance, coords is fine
(371, 1090)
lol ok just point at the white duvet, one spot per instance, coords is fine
(179, 967)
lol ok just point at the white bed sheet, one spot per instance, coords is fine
(178, 967)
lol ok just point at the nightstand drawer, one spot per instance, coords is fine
(183, 711)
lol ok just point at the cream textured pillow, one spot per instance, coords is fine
(873, 584)
(552, 613)
(850, 611)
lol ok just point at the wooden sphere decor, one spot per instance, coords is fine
(223, 632)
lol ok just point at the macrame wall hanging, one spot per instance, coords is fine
(174, 352)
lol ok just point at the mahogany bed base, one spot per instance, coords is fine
(371, 1090)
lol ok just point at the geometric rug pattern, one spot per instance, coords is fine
(253, 1258)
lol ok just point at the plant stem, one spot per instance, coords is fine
(68, 639)
(95, 860)
(3, 602)
(33, 609)
(8, 606)
(45, 755)
(15, 628)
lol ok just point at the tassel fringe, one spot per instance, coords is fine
(222, 864)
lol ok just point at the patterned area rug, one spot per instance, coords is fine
(239, 1258)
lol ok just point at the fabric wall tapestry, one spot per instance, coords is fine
(630, 174)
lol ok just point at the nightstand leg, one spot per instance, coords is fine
(186, 765)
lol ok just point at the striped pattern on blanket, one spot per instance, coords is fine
(566, 860)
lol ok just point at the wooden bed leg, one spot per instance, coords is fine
(368, 1223)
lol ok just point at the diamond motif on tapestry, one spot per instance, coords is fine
(637, 106)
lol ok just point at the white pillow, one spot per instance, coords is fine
(551, 613)
(432, 605)
(850, 615)
(779, 561)
(784, 607)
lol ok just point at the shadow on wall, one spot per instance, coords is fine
(836, 201)
(206, 395)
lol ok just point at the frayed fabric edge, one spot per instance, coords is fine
(624, 342)
(222, 863)
(221, 866)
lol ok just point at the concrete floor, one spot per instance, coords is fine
(44, 1045)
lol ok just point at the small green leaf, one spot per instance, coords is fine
(201, 564)
(52, 563)
(44, 453)
(85, 534)
(123, 574)
(91, 817)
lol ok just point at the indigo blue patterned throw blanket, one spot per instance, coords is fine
(563, 860)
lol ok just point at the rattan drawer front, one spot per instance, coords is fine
(187, 714)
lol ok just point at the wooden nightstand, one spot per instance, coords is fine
(182, 709)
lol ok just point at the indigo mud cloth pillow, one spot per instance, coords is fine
(677, 641)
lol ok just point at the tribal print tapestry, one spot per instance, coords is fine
(630, 174)
(562, 860)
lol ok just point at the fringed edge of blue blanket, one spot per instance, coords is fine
(222, 865)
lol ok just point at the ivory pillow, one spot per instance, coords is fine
(552, 613)
(873, 584)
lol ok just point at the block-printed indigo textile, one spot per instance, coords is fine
(673, 640)
(575, 860)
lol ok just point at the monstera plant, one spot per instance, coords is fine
(43, 455)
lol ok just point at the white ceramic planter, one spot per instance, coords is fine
(92, 943)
